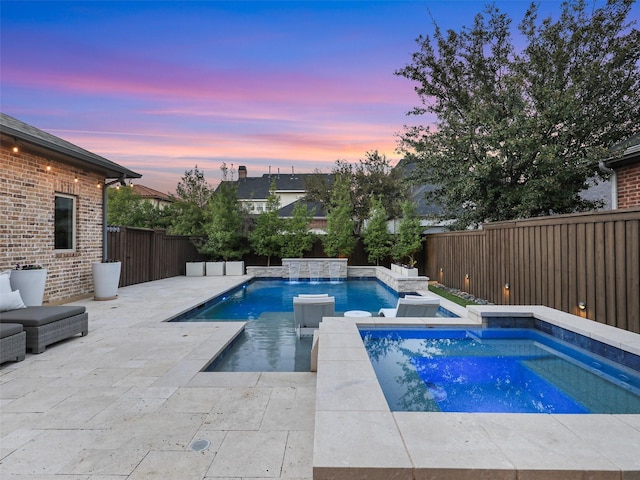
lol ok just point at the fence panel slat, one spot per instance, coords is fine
(555, 261)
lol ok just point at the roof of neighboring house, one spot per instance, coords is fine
(418, 192)
(316, 207)
(150, 193)
(258, 187)
(625, 153)
(30, 138)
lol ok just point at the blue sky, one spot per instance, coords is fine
(162, 86)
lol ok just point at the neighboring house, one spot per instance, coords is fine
(52, 194)
(290, 188)
(624, 166)
(318, 223)
(253, 191)
(426, 210)
(157, 199)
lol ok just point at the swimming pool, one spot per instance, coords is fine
(269, 342)
(505, 370)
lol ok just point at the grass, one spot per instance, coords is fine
(450, 296)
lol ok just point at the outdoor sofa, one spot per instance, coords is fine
(13, 342)
(47, 325)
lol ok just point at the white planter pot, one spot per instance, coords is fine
(409, 272)
(395, 268)
(215, 269)
(234, 268)
(31, 285)
(195, 269)
(106, 277)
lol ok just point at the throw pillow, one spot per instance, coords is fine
(11, 301)
(5, 282)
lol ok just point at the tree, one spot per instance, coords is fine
(297, 236)
(122, 204)
(371, 177)
(224, 223)
(520, 134)
(266, 237)
(376, 236)
(340, 240)
(188, 212)
(127, 208)
(409, 235)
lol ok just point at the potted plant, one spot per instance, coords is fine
(106, 277)
(30, 280)
(224, 229)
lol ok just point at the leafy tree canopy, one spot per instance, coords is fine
(266, 236)
(340, 239)
(519, 134)
(224, 223)
(376, 236)
(193, 194)
(408, 239)
(371, 177)
(298, 238)
(127, 208)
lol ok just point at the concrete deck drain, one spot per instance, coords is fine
(200, 445)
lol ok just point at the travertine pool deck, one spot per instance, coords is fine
(127, 401)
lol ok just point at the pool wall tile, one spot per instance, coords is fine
(577, 331)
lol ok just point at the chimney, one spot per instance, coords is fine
(242, 172)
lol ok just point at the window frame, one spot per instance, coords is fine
(74, 226)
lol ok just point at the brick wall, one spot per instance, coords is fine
(628, 178)
(27, 191)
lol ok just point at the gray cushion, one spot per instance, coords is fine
(8, 329)
(37, 316)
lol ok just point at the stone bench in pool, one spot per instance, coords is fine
(47, 325)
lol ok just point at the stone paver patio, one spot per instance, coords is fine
(129, 401)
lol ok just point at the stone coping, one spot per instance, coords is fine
(357, 436)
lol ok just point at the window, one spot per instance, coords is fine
(65, 222)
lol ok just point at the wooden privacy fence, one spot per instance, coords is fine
(149, 254)
(564, 262)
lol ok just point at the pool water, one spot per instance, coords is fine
(269, 342)
(503, 370)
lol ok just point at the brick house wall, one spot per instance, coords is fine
(27, 190)
(628, 178)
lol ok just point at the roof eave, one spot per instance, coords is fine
(36, 145)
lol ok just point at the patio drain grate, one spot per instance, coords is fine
(200, 445)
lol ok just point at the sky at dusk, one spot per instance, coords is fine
(160, 87)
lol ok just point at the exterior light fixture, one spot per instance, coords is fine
(466, 276)
(582, 306)
(441, 269)
(76, 179)
(15, 148)
(507, 286)
(48, 168)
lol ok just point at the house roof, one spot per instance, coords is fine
(30, 138)
(316, 207)
(146, 192)
(418, 192)
(250, 188)
(625, 153)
